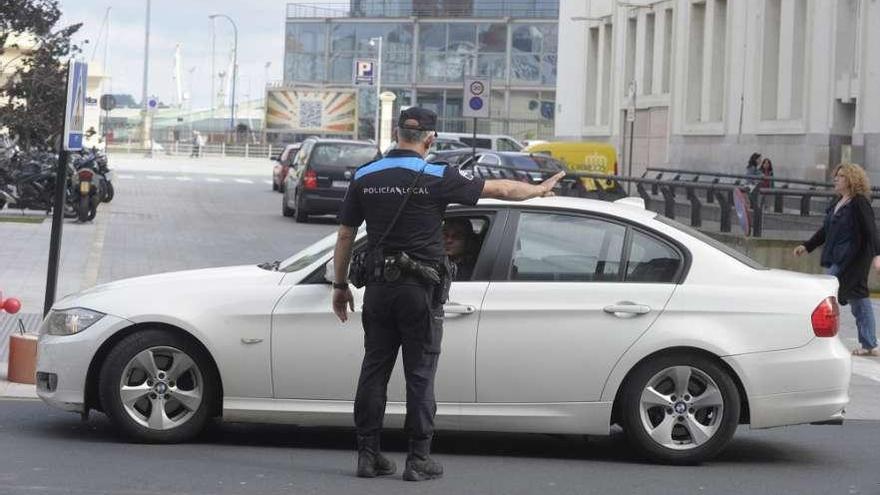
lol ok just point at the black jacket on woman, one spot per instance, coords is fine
(850, 242)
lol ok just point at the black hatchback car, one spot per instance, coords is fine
(320, 174)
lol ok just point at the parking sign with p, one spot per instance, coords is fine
(364, 72)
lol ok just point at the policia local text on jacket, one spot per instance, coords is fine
(403, 310)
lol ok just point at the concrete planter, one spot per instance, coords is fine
(22, 358)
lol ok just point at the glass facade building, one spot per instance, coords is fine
(427, 50)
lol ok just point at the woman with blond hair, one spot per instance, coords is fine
(850, 248)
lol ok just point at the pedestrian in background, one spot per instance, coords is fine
(752, 167)
(766, 170)
(850, 247)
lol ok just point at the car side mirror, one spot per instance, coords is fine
(329, 272)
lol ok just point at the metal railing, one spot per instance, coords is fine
(540, 9)
(723, 195)
(246, 150)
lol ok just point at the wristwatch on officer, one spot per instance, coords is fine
(342, 286)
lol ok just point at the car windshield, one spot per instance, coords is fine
(313, 253)
(342, 155)
(715, 243)
(527, 162)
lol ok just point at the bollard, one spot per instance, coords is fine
(246, 149)
(668, 202)
(696, 208)
(640, 188)
(805, 204)
(758, 216)
(710, 193)
(724, 202)
(778, 201)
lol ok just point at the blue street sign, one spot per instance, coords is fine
(74, 112)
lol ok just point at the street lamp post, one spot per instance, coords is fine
(374, 42)
(234, 66)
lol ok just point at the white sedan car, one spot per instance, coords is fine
(579, 315)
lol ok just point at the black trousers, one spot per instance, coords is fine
(399, 315)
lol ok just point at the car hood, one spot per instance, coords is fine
(169, 290)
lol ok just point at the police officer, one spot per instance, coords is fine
(402, 308)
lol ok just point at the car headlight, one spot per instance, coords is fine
(69, 321)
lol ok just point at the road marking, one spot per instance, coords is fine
(269, 182)
(93, 263)
(183, 178)
(244, 181)
(155, 177)
(213, 179)
(126, 176)
(866, 367)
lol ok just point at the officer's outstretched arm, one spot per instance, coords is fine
(512, 190)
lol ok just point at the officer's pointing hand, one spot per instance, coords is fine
(342, 301)
(550, 183)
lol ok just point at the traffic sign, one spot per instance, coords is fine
(364, 72)
(108, 102)
(477, 91)
(75, 110)
(152, 104)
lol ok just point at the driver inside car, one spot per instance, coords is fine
(462, 246)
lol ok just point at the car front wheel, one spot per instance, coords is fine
(680, 409)
(158, 387)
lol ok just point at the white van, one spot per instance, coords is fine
(494, 142)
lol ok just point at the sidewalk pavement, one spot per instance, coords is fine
(15, 390)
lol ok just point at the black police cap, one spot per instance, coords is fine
(427, 120)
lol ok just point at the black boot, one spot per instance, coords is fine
(371, 462)
(419, 465)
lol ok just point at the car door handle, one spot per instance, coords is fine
(459, 309)
(626, 309)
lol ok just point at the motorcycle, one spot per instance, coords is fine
(27, 181)
(86, 188)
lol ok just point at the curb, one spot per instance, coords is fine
(10, 390)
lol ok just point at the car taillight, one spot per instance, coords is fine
(826, 318)
(310, 179)
(85, 175)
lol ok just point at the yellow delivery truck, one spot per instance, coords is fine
(585, 156)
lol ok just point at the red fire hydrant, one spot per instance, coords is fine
(22, 366)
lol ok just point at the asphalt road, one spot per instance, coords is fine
(179, 214)
(52, 452)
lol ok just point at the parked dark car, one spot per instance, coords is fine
(320, 174)
(453, 157)
(281, 168)
(524, 167)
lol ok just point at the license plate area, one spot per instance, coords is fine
(84, 187)
(342, 184)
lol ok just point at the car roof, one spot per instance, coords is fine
(572, 203)
(340, 141)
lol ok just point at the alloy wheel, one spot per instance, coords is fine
(161, 388)
(681, 407)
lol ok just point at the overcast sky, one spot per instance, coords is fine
(260, 40)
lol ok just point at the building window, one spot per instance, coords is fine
(592, 81)
(648, 74)
(668, 20)
(605, 89)
(630, 65)
(349, 41)
(305, 52)
(696, 44)
(706, 63)
(533, 54)
(784, 58)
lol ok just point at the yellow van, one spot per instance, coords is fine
(584, 156)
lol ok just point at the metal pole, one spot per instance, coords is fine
(144, 123)
(57, 217)
(234, 71)
(474, 142)
(213, 70)
(378, 88)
